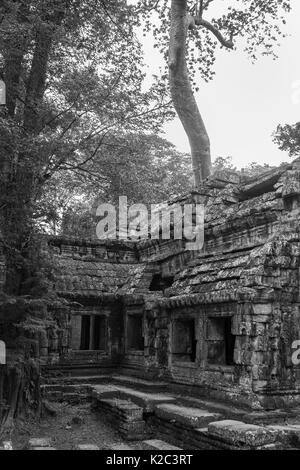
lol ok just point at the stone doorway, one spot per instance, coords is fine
(89, 332)
(220, 341)
(184, 343)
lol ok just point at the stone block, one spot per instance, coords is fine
(242, 434)
(157, 444)
(120, 447)
(190, 417)
(288, 434)
(260, 343)
(103, 391)
(87, 447)
(260, 358)
(43, 448)
(259, 385)
(260, 372)
(7, 445)
(39, 442)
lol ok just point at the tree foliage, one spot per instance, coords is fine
(145, 168)
(74, 76)
(287, 137)
(197, 29)
(252, 169)
(253, 25)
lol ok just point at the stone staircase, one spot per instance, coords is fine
(124, 415)
(141, 410)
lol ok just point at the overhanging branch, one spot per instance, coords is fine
(206, 24)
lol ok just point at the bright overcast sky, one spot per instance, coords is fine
(245, 102)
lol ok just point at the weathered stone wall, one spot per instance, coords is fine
(250, 263)
(2, 266)
(235, 304)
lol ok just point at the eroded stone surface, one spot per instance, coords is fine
(144, 399)
(39, 442)
(124, 415)
(242, 434)
(120, 447)
(43, 448)
(87, 447)
(193, 417)
(223, 319)
(288, 434)
(157, 444)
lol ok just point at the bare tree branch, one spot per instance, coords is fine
(206, 24)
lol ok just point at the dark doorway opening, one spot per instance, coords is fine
(135, 335)
(99, 334)
(184, 346)
(220, 341)
(85, 332)
(160, 283)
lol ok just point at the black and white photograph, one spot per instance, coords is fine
(149, 228)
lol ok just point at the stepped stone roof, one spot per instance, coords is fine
(251, 244)
(94, 268)
(248, 233)
(90, 277)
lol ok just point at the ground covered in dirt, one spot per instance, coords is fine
(72, 425)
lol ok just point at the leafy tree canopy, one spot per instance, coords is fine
(287, 137)
(253, 25)
(75, 83)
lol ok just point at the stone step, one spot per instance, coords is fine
(213, 406)
(240, 414)
(87, 447)
(39, 443)
(7, 445)
(77, 380)
(188, 416)
(43, 448)
(201, 439)
(242, 434)
(157, 444)
(68, 393)
(139, 384)
(105, 379)
(104, 391)
(76, 369)
(288, 434)
(146, 400)
(66, 387)
(120, 447)
(124, 415)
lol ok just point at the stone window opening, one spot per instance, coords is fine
(184, 342)
(160, 283)
(135, 333)
(85, 332)
(263, 187)
(99, 334)
(291, 203)
(220, 341)
(93, 333)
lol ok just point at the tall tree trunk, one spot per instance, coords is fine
(182, 94)
(13, 50)
(37, 78)
(13, 69)
(21, 178)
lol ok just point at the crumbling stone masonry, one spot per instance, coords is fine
(222, 321)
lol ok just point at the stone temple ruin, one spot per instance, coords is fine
(220, 323)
